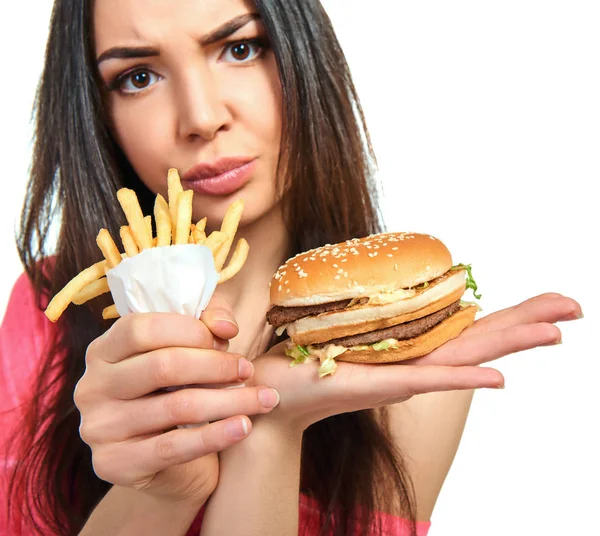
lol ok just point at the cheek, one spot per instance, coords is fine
(261, 101)
(140, 131)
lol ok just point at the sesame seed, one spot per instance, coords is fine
(337, 277)
(390, 255)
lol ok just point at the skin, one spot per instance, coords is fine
(198, 107)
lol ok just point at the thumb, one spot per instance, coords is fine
(218, 318)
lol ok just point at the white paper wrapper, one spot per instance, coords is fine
(173, 279)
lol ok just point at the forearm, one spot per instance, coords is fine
(125, 511)
(259, 484)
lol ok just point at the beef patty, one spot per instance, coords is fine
(278, 316)
(407, 330)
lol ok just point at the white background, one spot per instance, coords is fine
(485, 117)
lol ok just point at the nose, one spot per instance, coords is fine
(202, 110)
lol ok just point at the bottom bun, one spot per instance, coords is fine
(418, 346)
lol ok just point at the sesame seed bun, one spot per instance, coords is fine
(419, 346)
(378, 263)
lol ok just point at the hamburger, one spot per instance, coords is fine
(380, 299)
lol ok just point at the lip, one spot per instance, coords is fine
(221, 177)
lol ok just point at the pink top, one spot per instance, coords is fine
(23, 335)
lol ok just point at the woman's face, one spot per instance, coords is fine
(193, 84)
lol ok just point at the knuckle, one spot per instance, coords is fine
(165, 448)
(178, 407)
(138, 329)
(84, 431)
(92, 350)
(202, 335)
(163, 365)
(102, 466)
(80, 394)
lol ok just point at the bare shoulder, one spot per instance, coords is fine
(427, 429)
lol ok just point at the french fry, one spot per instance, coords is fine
(131, 207)
(148, 221)
(173, 222)
(61, 301)
(184, 217)
(108, 247)
(201, 225)
(162, 219)
(110, 312)
(238, 259)
(91, 291)
(129, 244)
(174, 188)
(199, 236)
(230, 224)
(199, 231)
(215, 241)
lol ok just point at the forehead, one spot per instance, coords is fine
(155, 20)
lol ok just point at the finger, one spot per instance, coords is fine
(485, 347)
(390, 383)
(549, 308)
(172, 367)
(162, 412)
(127, 463)
(143, 332)
(219, 319)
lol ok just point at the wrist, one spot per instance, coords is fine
(274, 440)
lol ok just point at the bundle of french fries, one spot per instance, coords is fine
(173, 221)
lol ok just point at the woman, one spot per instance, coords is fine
(131, 88)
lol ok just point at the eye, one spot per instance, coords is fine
(242, 51)
(136, 81)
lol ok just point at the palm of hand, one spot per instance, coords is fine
(454, 365)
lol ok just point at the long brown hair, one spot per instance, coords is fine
(349, 464)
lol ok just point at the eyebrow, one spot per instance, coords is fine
(220, 33)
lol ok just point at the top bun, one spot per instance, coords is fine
(360, 267)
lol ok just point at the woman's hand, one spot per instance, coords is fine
(306, 399)
(130, 421)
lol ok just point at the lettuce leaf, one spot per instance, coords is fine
(298, 353)
(327, 367)
(470, 281)
(381, 345)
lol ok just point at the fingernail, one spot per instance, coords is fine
(245, 369)
(573, 316)
(223, 316)
(501, 386)
(553, 343)
(237, 428)
(269, 398)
